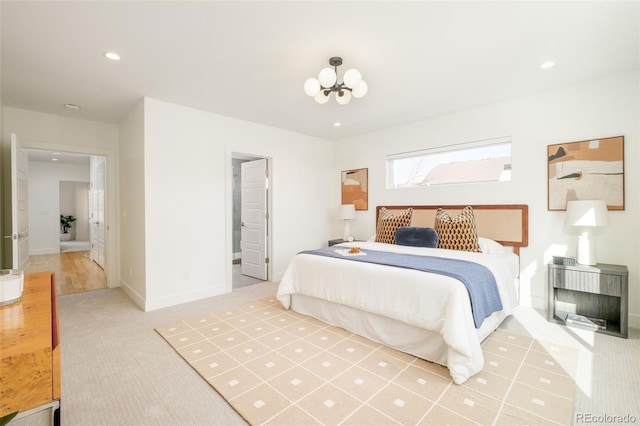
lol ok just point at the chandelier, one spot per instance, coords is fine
(320, 88)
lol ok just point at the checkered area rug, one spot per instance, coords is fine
(276, 366)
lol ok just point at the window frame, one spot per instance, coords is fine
(435, 159)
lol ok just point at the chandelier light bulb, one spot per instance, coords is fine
(345, 98)
(321, 98)
(311, 86)
(352, 78)
(321, 88)
(360, 90)
(327, 77)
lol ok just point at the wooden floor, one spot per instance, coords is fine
(74, 271)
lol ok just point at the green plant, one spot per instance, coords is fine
(65, 222)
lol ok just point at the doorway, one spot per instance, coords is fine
(60, 184)
(250, 211)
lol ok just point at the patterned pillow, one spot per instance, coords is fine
(459, 233)
(388, 224)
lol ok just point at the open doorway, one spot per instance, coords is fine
(251, 233)
(62, 185)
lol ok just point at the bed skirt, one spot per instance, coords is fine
(407, 338)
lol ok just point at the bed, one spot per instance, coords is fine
(424, 313)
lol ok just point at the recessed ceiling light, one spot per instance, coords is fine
(113, 56)
(54, 159)
(337, 124)
(547, 64)
(72, 106)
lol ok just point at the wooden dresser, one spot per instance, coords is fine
(30, 350)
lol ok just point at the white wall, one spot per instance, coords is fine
(45, 131)
(187, 179)
(74, 200)
(131, 239)
(598, 109)
(45, 203)
(81, 225)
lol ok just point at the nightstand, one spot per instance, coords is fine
(599, 292)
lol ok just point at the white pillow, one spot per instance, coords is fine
(488, 246)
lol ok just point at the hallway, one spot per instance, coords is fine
(74, 271)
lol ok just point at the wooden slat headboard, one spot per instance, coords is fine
(507, 224)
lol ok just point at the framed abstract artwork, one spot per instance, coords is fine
(586, 170)
(354, 188)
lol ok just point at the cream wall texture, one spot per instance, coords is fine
(131, 207)
(187, 198)
(598, 109)
(174, 190)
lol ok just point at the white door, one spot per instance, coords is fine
(96, 209)
(19, 205)
(253, 218)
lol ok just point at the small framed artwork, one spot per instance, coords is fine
(586, 170)
(354, 188)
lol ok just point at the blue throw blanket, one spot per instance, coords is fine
(479, 280)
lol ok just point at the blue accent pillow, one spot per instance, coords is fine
(417, 236)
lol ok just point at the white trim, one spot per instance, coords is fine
(229, 254)
(191, 296)
(451, 147)
(111, 216)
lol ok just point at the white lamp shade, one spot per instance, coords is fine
(352, 78)
(321, 98)
(586, 213)
(345, 98)
(347, 211)
(360, 90)
(311, 86)
(327, 77)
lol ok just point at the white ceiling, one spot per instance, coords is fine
(249, 60)
(57, 157)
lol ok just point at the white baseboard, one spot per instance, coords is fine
(133, 295)
(179, 298)
(37, 252)
(634, 321)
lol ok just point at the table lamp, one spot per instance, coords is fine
(586, 214)
(347, 212)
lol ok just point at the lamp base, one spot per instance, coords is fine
(586, 250)
(346, 233)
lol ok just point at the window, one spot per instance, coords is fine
(480, 161)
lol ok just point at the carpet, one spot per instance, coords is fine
(276, 366)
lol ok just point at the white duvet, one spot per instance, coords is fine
(430, 301)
